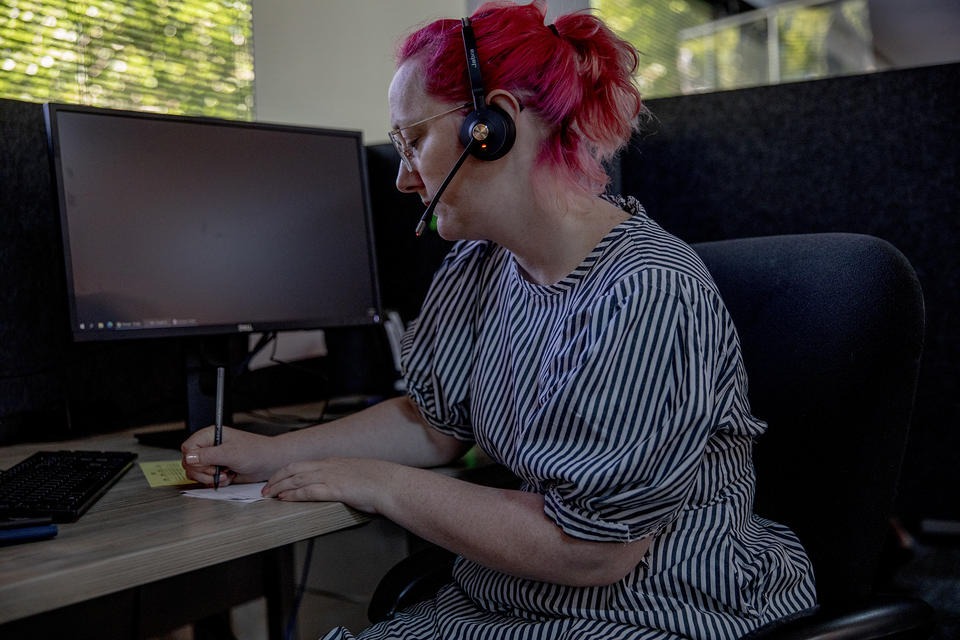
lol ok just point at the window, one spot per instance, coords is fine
(191, 57)
(795, 41)
(688, 46)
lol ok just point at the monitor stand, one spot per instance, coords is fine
(202, 356)
(166, 439)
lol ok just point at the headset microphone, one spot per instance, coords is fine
(443, 186)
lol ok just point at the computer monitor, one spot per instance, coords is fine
(204, 229)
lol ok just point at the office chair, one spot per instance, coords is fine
(831, 327)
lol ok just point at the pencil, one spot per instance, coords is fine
(218, 424)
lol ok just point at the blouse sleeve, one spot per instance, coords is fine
(436, 351)
(625, 428)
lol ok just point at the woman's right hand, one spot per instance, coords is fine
(241, 456)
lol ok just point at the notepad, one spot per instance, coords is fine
(166, 473)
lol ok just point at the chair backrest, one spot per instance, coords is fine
(831, 326)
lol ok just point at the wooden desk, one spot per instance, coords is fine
(146, 560)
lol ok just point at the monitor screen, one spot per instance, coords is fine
(176, 226)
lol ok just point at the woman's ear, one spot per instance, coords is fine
(506, 101)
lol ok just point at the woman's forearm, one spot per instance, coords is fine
(502, 529)
(391, 430)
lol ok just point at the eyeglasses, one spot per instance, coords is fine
(396, 136)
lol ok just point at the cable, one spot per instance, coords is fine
(295, 609)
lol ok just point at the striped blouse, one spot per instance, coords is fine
(619, 394)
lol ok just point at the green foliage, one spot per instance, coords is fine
(806, 32)
(172, 56)
(652, 26)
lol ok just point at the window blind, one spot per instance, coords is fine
(171, 56)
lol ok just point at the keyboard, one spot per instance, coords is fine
(61, 485)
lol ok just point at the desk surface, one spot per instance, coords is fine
(136, 534)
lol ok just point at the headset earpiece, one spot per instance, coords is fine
(494, 132)
(490, 126)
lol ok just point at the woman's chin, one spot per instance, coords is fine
(448, 229)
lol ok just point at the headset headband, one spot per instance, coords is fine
(473, 66)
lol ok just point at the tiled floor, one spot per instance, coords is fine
(344, 570)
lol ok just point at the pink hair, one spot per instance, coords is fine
(578, 81)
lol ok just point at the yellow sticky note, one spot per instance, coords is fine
(165, 474)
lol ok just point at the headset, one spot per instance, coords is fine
(492, 128)
(487, 133)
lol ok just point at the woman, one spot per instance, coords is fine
(575, 342)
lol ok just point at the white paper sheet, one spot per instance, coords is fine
(234, 492)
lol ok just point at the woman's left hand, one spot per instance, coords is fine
(358, 482)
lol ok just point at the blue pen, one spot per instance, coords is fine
(27, 534)
(218, 425)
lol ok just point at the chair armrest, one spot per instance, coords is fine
(415, 578)
(886, 617)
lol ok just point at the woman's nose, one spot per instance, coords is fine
(408, 181)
